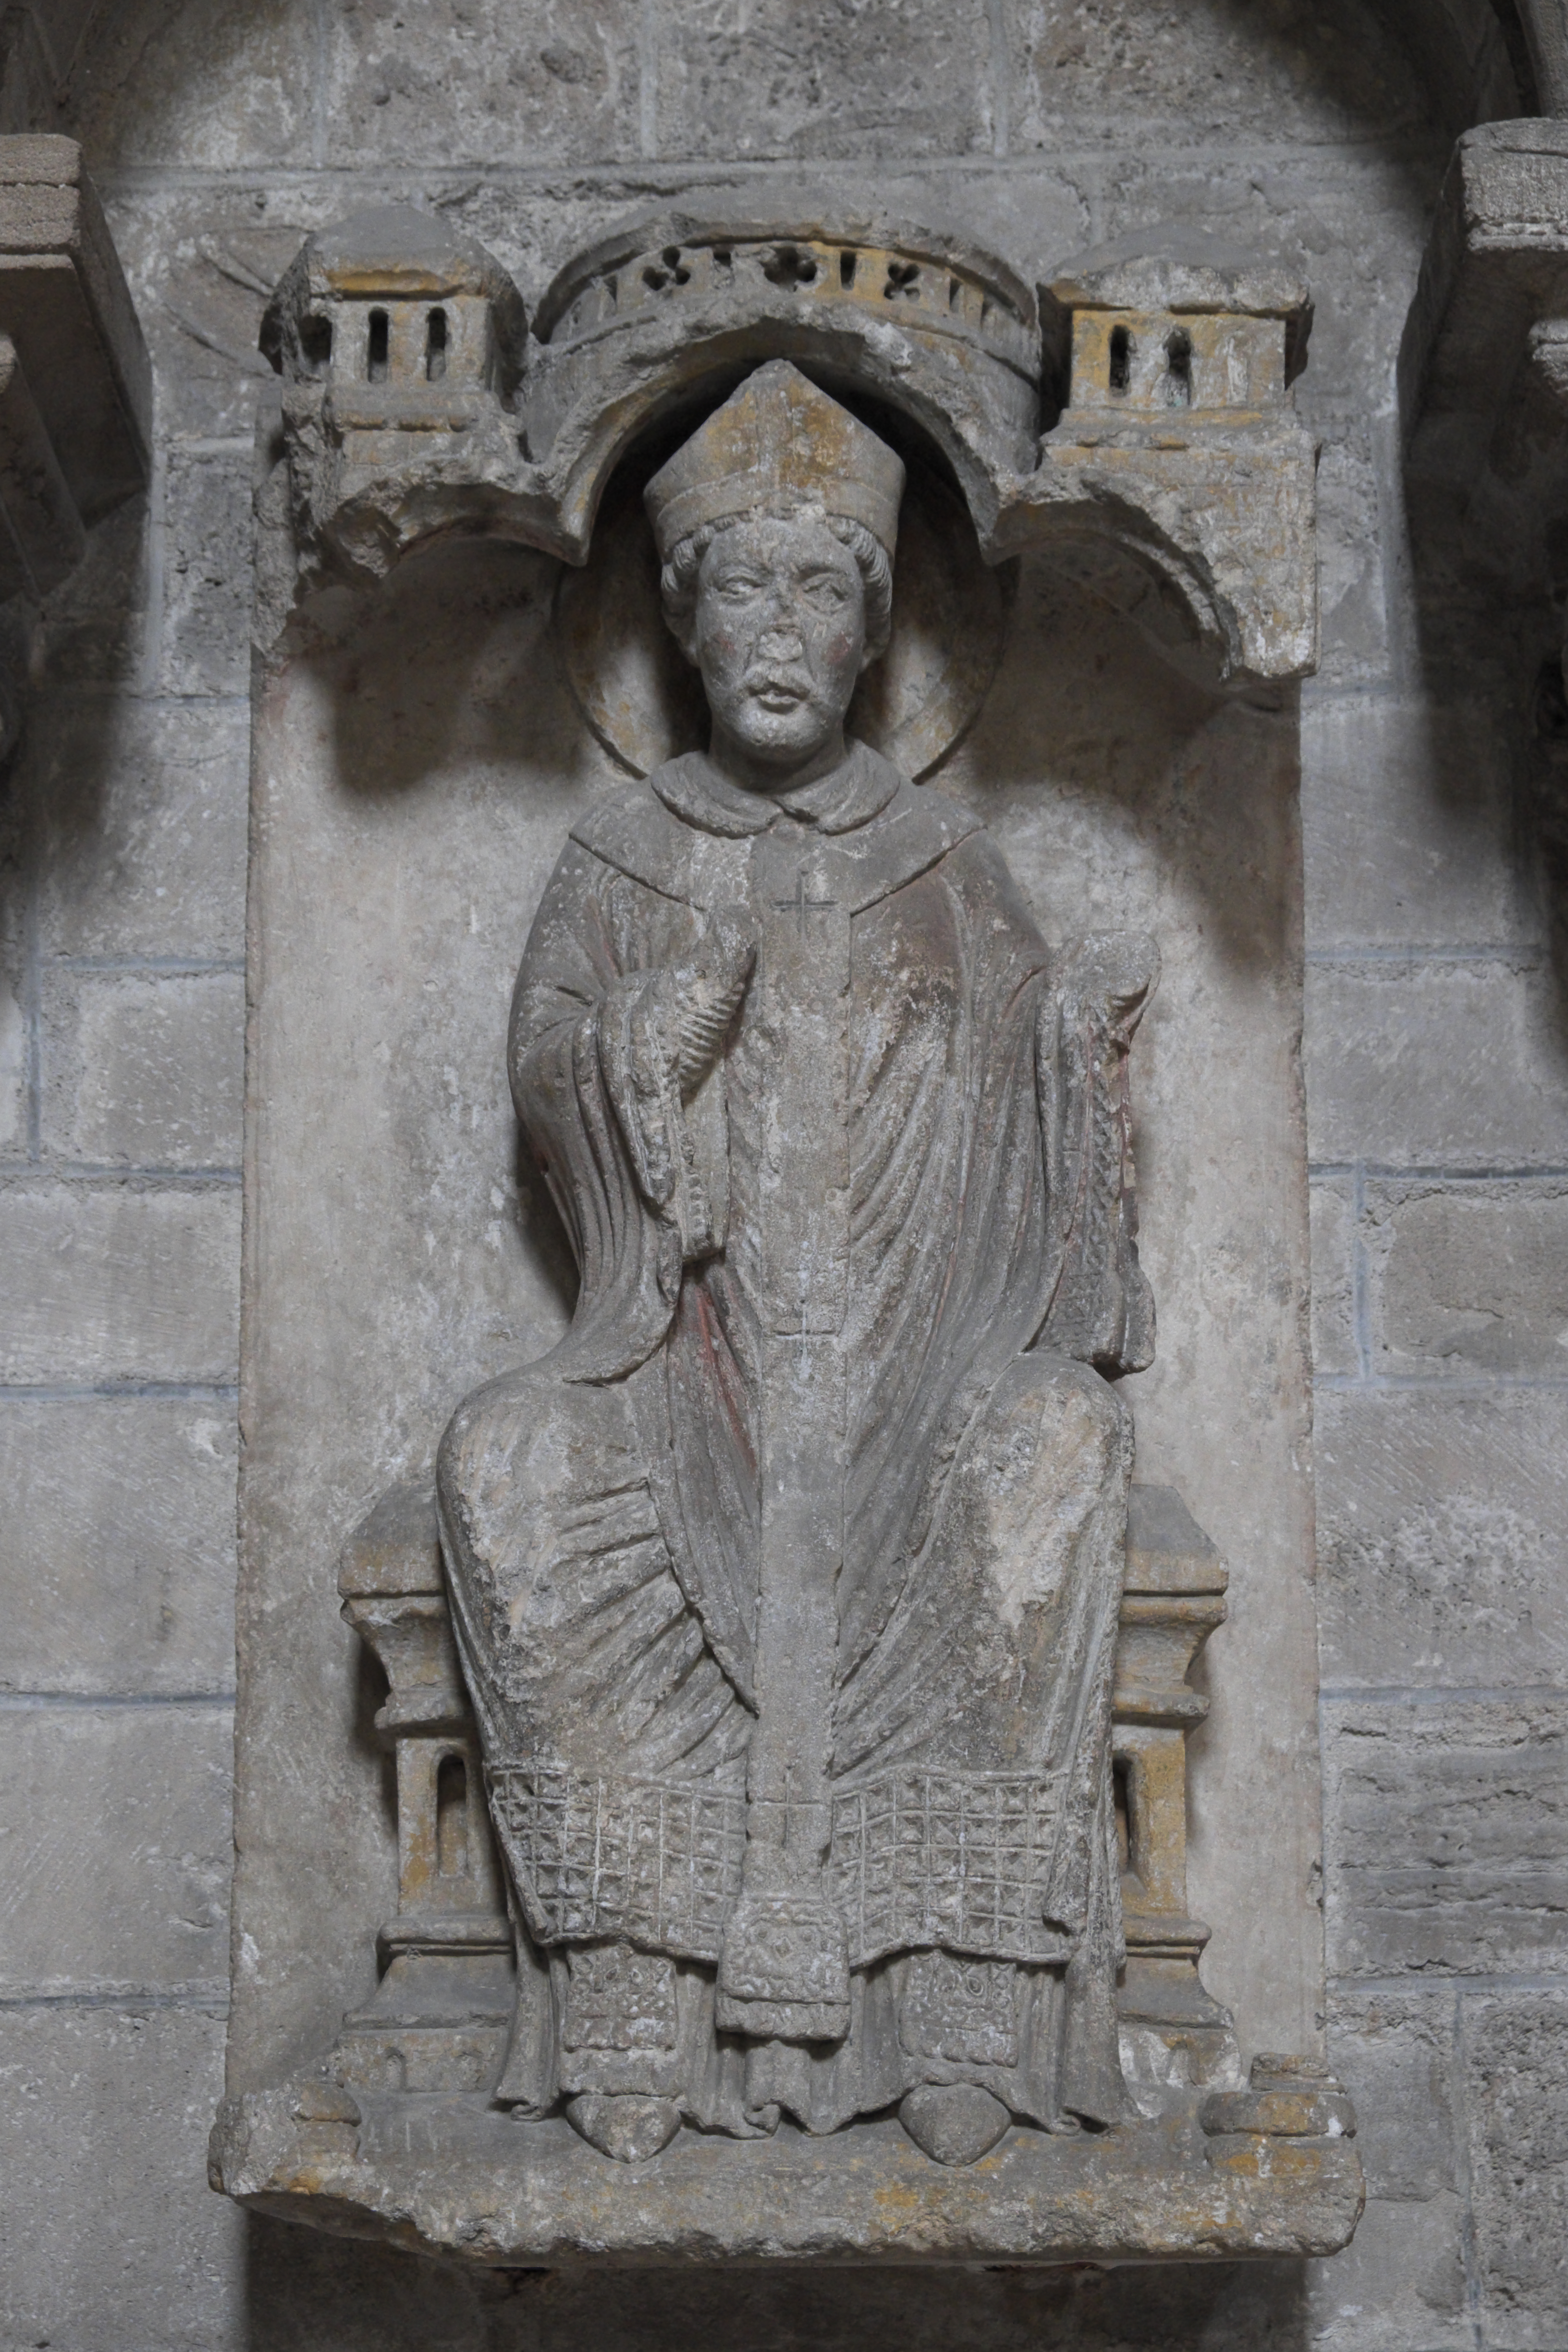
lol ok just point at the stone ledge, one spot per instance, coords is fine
(454, 2175)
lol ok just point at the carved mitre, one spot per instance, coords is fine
(777, 446)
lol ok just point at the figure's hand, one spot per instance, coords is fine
(708, 990)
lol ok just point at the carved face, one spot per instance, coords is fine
(779, 634)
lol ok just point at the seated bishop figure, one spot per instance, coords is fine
(787, 1586)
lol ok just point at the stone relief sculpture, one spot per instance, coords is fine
(784, 1704)
(786, 1587)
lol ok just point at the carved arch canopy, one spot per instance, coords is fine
(1132, 417)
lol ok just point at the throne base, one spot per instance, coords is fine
(451, 2174)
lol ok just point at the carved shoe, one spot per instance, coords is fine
(955, 2123)
(624, 2125)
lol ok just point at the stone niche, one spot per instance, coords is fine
(1102, 600)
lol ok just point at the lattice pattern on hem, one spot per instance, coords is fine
(957, 1860)
(656, 1862)
(960, 1860)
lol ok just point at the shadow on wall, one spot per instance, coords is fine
(1176, 780)
(68, 862)
(1488, 658)
(313, 2293)
(477, 722)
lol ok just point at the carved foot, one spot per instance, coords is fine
(955, 2123)
(630, 2129)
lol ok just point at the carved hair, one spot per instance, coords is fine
(678, 580)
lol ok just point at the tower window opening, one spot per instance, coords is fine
(452, 1818)
(376, 348)
(316, 345)
(436, 346)
(1121, 359)
(1121, 1804)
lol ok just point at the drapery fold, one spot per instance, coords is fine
(990, 1282)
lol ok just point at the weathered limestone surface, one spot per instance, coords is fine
(219, 140)
(118, 1563)
(1514, 2054)
(143, 1069)
(1448, 1823)
(1437, 1060)
(543, 2197)
(206, 518)
(1410, 834)
(102, 1280)
(103, 1802)
(1468, 1279)
(1440, 1531)
(98, 2109)
(140, 813)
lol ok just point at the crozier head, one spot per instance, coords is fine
(776, 524)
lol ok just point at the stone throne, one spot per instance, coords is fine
(442, 2008)
(1171, 492)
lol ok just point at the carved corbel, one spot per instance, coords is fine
(1176, 481)
(76, 387)
(1482, 379)
(1483, 389)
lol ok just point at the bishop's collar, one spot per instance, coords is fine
(856, 792)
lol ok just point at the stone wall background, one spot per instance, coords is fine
(219, 133)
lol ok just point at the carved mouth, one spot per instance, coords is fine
(778, 694)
